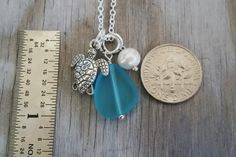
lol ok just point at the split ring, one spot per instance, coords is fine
(115, 37)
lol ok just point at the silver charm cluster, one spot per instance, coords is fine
(86, 66)
(128, 58)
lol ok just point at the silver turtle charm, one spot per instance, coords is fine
(85, 71)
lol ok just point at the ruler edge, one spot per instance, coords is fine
(15, 92)
(12, 126)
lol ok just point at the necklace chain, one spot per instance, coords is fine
(101, 16)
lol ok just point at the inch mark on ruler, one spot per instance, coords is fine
(33, 111)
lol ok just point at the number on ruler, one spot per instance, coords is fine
(36, 99)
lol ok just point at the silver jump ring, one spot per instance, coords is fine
(118, 39)
(97, 42)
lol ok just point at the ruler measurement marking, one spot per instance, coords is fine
(53, 71)
(54, 51)
(47, 151)
(47, 115)
(52, 82)
(49, 127)
(54, 40)
(27, 112)
(50, 104)
(54, 61)
(47, 139)
(21, 115)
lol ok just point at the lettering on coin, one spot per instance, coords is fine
(171, 73)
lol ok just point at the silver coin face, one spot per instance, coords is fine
(171, 73)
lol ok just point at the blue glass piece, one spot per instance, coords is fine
(115, 94)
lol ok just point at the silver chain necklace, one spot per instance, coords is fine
(112, 86)
(101, 16)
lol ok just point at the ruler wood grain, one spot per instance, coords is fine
(204, 126)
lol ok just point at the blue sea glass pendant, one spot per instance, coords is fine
(115, 94)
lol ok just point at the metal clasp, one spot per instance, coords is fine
(117, 38)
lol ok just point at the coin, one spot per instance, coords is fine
(171, 73)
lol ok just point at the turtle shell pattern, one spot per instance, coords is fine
(85, 73)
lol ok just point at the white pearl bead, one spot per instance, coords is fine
(129, 58)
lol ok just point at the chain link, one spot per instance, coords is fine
(112, 16)
(101, 16)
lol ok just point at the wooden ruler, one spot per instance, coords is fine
(34, 107)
